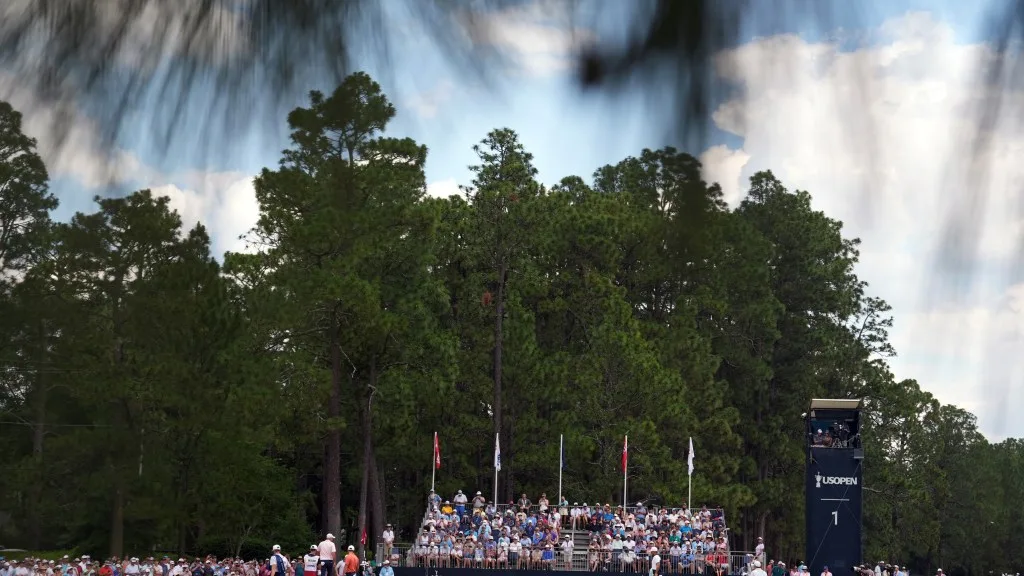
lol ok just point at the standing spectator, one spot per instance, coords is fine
(389, 540)
(327, 554)
(567, 547)
(386, 569)
(757, 571)
(825, 572)
(351, 562)
(460, 503)
(478, 501)
(759, 550)
(524, 503)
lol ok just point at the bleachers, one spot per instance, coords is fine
(484, 540)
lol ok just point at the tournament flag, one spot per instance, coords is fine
(362, 539)
(497, 454)
(625, 453)
(437, 453)
(689, 459)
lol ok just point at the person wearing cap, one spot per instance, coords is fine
(825, 572)
(327, 553)
(311, 561)
(460, 501)
(386, 569)
(278, 563)
(351, 562)
(388, 537)
(655, 560)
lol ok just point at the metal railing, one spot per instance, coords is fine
(411, 556)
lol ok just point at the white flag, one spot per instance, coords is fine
(689, 459)
(497, 453)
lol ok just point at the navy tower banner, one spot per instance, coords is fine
(834, 487)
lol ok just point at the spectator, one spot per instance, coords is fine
(388, 538)
(460, 502)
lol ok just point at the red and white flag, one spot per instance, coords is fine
(362, 539)
(437, 453)
(625, 453)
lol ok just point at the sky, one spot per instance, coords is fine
(871, 106)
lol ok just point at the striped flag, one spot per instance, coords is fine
(437, 453)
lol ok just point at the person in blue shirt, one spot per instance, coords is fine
(386, 569)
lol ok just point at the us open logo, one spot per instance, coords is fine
(834, 480)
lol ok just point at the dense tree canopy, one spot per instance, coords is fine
(152, 397)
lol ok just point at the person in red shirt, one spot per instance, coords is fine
(351, 562)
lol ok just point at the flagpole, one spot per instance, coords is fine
(433, 464)
(560, 456)
(625, 473)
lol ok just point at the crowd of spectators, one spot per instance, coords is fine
(133, 566)
(474, 532)
(294, 565)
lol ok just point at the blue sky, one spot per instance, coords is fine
(871, 107)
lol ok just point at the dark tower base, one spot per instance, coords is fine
(834, 486)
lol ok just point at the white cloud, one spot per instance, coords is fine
(444, 188)
(83, 155)
(539, 36)
(881, 136)
(724, 166)
(224, 203)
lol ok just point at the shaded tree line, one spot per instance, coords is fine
(155, 398)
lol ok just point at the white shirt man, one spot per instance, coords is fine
(655, 561)
(758, 571)
(133, 568)
(826, 572)
(327, 553)
(311, 562)
(759, 550)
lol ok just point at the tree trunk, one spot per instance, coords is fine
(38, 435)
(120, 425)
(332, 460)
(499, 318)
(377, 507)
(117, 518)
(364, 488)
(510, 475)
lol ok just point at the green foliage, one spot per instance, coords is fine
(169, 402)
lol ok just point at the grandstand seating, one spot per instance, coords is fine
(689, 541)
